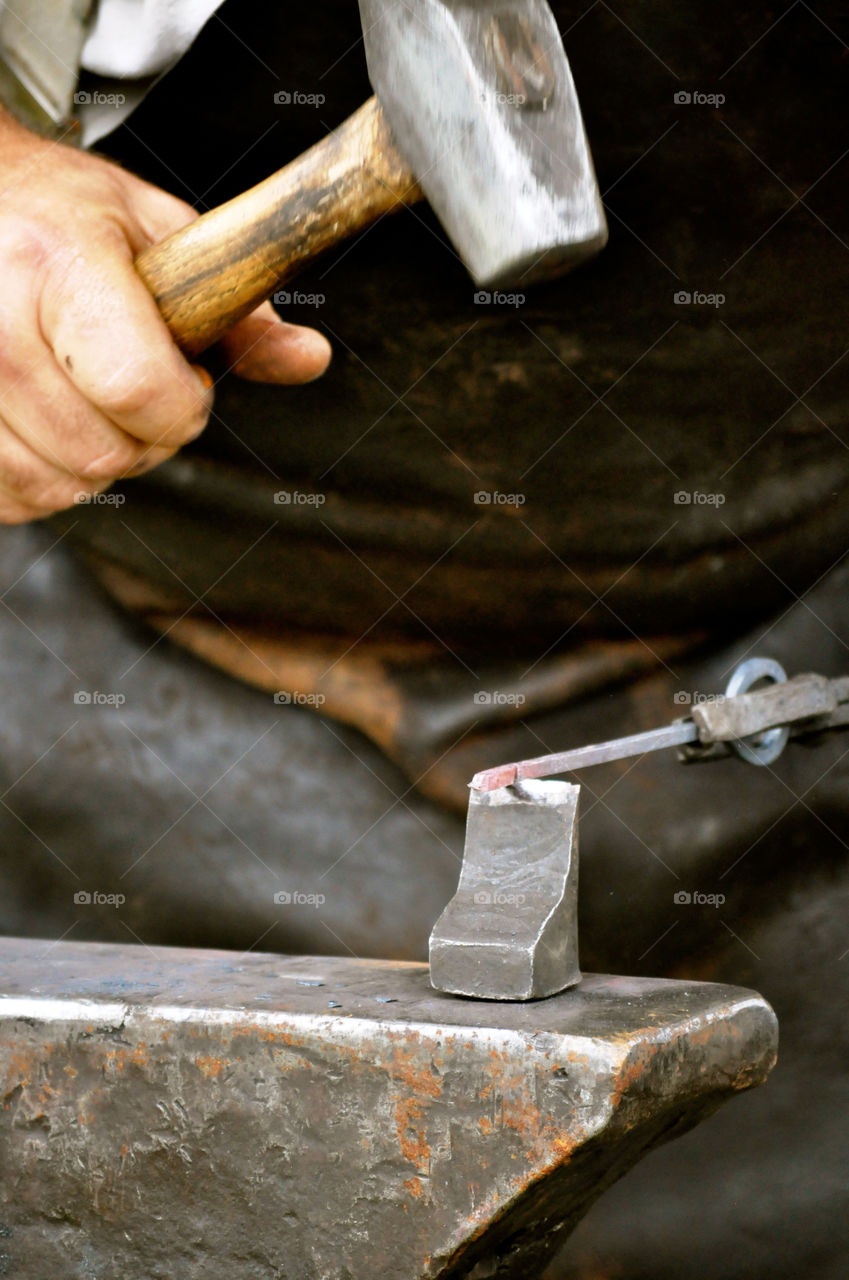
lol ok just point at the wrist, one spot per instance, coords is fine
(17, 140)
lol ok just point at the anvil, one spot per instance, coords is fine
(173, 1114)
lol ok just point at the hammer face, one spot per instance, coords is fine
(483, 107)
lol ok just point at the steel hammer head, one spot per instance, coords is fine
(484, 110)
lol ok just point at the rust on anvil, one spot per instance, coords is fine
(170, 1112)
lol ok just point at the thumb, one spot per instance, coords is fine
(264, 348)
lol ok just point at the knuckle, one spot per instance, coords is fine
(56, 495)
(190, 425)
(131, 390)
(190, 407)
(44, 489)
(25, 242)
(146, 393)
(22, 479)
(176, 430)
(12, 512)
(110, 466)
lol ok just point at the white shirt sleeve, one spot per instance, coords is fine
(132, 41)
(135, 38)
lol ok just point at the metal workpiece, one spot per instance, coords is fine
(511, 930)
(484, 108)
(172, 1114)
(753, 723)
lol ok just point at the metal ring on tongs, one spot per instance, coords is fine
(760, 748)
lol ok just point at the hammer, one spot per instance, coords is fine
(476, 110)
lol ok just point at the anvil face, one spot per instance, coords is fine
(484, 109)
(175, 1112)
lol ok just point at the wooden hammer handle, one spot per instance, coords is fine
(208, 275)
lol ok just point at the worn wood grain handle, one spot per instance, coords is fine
(211, 273)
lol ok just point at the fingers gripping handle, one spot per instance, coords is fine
(213, 272)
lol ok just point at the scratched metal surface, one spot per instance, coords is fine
(508, 171)
(176, 1113)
